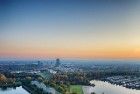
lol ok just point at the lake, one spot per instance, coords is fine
(107, 88)
(17, 90)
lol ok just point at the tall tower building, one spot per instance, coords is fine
(57, 62)
(40, 64)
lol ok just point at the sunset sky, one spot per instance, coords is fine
(70, 29)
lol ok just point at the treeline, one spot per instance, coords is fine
(8, 82)
(100, 75)
(62, 81)
(62, 88)
(77, 78)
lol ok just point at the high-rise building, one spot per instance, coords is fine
(57, 62)
(40, 64)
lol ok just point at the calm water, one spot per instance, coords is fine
(107, 88)
(17, 90)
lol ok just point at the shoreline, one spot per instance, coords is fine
(116, 84)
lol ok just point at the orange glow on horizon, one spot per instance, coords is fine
(74, 53)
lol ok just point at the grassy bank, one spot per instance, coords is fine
(77, 89)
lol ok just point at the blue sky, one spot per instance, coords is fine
(69, 28)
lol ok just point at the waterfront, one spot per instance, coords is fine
(125, 81)
(17, 90)
(107, 88)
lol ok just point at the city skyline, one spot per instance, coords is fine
(70, 29)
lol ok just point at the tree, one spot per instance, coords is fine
(2, 78)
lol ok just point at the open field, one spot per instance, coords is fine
(76, 89)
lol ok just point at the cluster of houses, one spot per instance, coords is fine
(126, 81)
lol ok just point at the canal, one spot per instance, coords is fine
(17, 90)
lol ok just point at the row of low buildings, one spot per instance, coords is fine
(126, 81)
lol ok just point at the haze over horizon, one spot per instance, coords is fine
(70, 29)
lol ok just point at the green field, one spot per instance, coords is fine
(77, 89)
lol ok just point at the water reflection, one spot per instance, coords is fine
(17, 90)
(107, 88)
